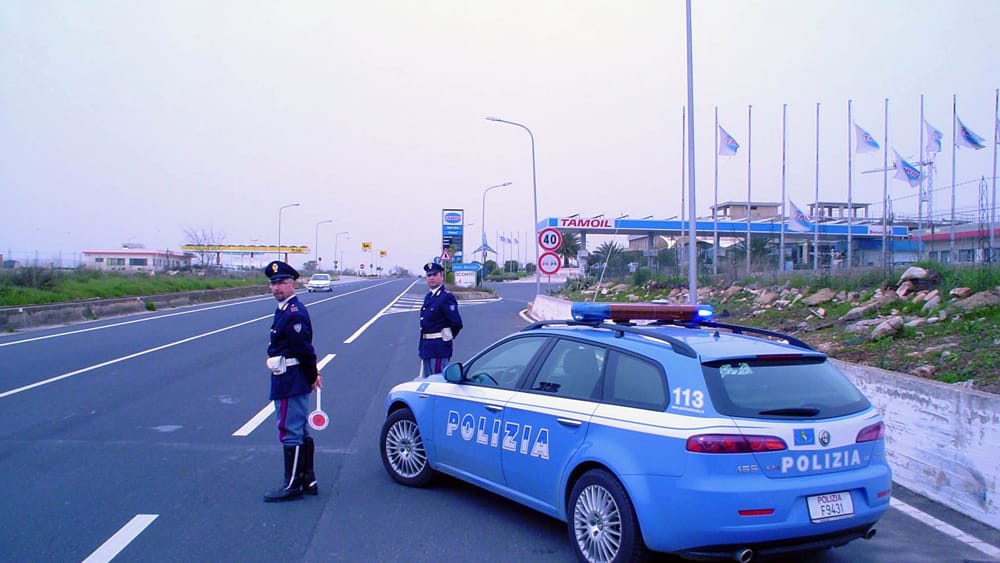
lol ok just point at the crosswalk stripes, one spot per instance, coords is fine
(410, 302)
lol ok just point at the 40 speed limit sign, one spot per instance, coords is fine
(549, 239)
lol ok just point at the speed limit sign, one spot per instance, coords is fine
(549, 239)
(549, 263)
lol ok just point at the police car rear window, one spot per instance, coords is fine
(803, 388)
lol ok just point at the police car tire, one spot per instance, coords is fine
(600, 487)
(401, 426)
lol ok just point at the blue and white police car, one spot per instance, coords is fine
(675, 434)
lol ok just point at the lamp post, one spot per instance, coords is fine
(280, 209)
(484, 216)
(336, 239)
(534, 192)
(316, 248)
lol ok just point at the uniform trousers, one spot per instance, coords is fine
(292, 413)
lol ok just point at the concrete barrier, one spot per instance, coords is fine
(943, 441)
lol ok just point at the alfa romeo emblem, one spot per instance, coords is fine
(824, 438)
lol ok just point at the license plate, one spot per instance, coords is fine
(830, 506)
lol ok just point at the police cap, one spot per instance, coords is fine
(432, 268)
(278, 270)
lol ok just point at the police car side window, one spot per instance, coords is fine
(503, 365)
(572, 369)
(633, 382)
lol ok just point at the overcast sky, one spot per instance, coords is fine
(127, 121)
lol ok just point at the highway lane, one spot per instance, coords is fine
(153, 435)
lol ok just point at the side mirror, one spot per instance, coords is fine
(453, 372)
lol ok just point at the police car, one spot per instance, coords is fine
(651, 427)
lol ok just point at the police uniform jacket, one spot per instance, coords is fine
(291, 337)
(440, 310)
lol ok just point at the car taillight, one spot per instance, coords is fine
(871, 433)
(734, 444)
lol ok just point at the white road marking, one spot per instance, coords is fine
(128, 357)
(365, 326)
(124, 323)
(948, 529)
(265, 412)
(121, 539)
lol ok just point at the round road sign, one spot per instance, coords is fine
(549, 239)
(549, 263)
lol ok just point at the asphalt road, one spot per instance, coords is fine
(139, 439)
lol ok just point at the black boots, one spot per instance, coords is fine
(292, 488)
(307, 478)
(299, 476)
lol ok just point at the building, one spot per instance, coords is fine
(136, 260)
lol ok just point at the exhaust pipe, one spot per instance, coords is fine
(870, 533)
(743, 555)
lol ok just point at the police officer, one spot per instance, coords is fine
(292, 362)
(439, 322)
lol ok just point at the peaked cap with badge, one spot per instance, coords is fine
(278, 270)
(432, 268)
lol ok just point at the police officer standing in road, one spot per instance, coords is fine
(439, 322)
(294, 375)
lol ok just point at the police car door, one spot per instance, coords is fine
(468, 416)
(545, 424)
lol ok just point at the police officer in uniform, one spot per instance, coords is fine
(292, 362)
(439, 322)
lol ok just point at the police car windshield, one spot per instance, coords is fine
(807, 387)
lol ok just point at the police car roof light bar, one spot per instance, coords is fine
(625, 312)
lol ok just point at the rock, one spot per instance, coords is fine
(766, 298)
(931, 303)
(888, 327)
(960, 292)
(981, 299)
(926, 371)
(730, 292)
(632, 297)
(822, 296)
(917, 322)
(904, 288)
(857, 312)
(913, 273)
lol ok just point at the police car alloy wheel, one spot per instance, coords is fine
(403, 451)
(602, 524)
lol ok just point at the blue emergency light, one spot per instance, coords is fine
(624, 312)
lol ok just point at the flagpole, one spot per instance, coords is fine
(715, 205)
(996, 141)
(680, 255)
(693, 250)
(749, 166)
(784, 205)
(850, 187)
(885, 189)
(954, 150)
(920, 197)
(816, 200)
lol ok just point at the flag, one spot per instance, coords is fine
(906, 171)
(865, 142)
(966, 138)
(727, 144)
(799, 222)
(933, 138)
(503, 238)
(515, 241)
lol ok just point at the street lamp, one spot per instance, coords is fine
(484, 216)
(534, 191)
(336, 239)
(316, 248)
(280, 209)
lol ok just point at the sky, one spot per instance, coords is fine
(138, 122)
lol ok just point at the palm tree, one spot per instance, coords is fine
(570, 248)
(610, 253)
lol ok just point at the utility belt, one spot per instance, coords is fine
(445, 335)
(279, 364)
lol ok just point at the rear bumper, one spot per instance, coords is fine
(701, 516)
